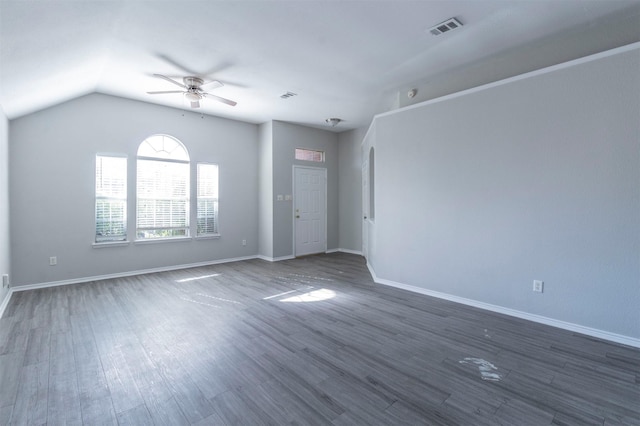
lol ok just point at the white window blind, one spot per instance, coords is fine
(207, 199)
(162, 189)
(309, 155)
(111, 198)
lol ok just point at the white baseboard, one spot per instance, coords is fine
(593, 332)
(601, 334)
(127, 274)
(275, 259)
(343, 250)
(36, 286)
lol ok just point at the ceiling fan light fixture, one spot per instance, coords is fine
(333, 122)
(192, 96)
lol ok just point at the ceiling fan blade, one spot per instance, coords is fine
(195, 104)
(213, 84)
(219, 99)
(165, 91)
(164, 77)
(177, 64)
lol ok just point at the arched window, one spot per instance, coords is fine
(162, 188)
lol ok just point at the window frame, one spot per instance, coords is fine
(118, 239)
(130, 188)
(216, 200)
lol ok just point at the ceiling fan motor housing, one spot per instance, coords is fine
(193, 81)
(193, 92)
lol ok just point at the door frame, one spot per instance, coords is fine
(293, 204)
(365, 208)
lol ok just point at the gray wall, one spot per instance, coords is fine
(286, 138)
(265, 188)
(349, 189)
(52, 186)
(480, 194)
(619, 29)
(4, 201)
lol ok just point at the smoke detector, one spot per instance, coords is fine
(333, 122)
(443, 27)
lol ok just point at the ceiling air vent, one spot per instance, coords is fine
(443, 27)
(288, 95)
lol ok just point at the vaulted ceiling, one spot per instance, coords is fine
(346, 59)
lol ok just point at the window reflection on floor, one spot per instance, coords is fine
(202, 277)
(312, 296)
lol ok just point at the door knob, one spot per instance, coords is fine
(297, 216)
(365, 217)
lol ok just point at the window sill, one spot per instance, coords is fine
(106, 244)
(208, 237)
(164, 240)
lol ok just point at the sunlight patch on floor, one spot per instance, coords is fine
(279, 295)
(202, 277)
(312, 296)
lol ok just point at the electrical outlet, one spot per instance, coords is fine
(53, 260)
(244, 242)
(5, 280)
(538, 286)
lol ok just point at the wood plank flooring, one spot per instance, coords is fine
(310, 341)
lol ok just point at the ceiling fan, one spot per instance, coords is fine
(193, 90)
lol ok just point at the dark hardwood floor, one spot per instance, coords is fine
(309, 341)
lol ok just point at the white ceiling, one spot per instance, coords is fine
(346, 59)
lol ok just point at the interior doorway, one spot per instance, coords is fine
(310, 210)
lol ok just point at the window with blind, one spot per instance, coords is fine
(162, 188)
(207, 199)
(111, 198)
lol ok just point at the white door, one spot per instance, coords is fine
(310, 210)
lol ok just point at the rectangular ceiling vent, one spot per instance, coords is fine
(443, 27)
(288, 95)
